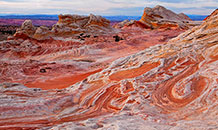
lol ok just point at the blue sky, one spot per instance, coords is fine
(104, 7)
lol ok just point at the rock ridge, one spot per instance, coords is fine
(67, 26)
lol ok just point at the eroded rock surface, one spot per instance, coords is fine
(168, 86)
(71, 59)
(125, 23)
(67, 26)
(160, 18)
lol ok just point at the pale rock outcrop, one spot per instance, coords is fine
(125, 23)
(41, 33)
(28, 27)
(67, 26)
(74, 24)
(160, 17)
(27, 30)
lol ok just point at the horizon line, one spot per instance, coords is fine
(80, 14)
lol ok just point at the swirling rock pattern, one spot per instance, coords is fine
(60, 62)
(170, 86)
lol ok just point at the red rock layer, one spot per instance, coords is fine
(170, 86)
(59, 63)
(59, 82)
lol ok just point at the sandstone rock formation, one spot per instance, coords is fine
(27, 30)
(168, 86)
(75, 24)
(160, 17)
(125, 23)
(67, 26)
(70, 59)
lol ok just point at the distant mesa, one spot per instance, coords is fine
(67, 25)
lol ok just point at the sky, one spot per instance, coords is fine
(104, 7)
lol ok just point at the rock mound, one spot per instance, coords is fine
(27, 30)
(74, 24)
(67, 26)
(160, 17)
(125, 23)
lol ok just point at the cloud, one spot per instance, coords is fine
(174, 1)
(103, 7)
(132, 11)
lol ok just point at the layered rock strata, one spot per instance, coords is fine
(160, 18)
(67, 26)
(69, 60)
(170, 86)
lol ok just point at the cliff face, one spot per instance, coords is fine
(160, 17)
(168, 86)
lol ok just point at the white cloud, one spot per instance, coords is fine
(101, 7)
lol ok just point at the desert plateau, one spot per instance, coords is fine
(84, 72)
